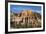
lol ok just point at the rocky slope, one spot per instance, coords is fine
(26, 19)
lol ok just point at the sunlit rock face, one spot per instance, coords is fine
(26, 19)
(26, 12)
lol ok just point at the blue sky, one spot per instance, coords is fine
(19, 8)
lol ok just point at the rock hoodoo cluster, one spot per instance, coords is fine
(25, 19)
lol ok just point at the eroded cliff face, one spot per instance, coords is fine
(26, 19)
